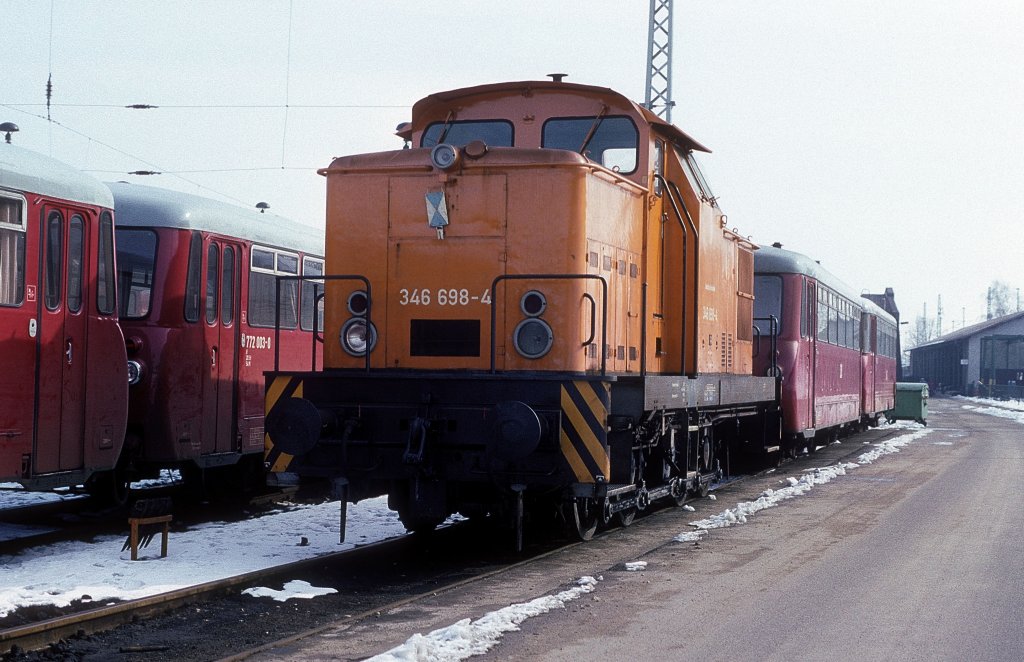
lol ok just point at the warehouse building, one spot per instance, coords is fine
(982, 359)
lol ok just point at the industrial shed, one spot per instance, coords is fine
(985, 358)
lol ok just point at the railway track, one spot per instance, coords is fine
(396, 572)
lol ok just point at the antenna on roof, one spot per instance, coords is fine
(262, 206)
(8, 128)
(557, 77)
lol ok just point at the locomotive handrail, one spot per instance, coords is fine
(773, 335)
(604, 308)
(277, 313)
(593, 318)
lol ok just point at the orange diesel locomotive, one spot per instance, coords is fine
(537, 303)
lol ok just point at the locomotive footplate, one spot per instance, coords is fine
(534, 429)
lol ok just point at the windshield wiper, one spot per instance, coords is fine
(593, 129)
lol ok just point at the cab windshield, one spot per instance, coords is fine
(495, 133)
(136, 257)
(609, 140)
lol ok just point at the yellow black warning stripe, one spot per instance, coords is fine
(583, 435)
(279, 389)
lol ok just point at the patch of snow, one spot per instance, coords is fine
(293, 589)
(468, 638)
(636, 566)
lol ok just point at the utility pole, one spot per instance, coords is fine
(658, 98)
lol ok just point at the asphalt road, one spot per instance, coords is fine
(918, 556)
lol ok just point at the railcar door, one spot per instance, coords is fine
(19, 315)
(220, 385)
(809, 352)
(60, 402)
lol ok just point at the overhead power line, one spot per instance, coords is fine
(254, 106)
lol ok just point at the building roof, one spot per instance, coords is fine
(974, 329)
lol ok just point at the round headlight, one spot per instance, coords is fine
(444, 156)
(533, 338)
(134, 372)
(356, 339)
(773, 371)
(358, 303)
(533, 303)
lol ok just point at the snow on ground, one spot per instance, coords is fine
(13, 495)
(98, 571)
(468, 638)
(1011, 409)
(293, 589)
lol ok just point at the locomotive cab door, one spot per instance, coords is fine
(221, 259)
(60, 399)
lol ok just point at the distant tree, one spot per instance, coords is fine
(1002, 299)
(923, 330)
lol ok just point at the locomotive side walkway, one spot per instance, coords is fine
(915, 556)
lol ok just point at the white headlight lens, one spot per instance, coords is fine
(356, 339)
(134, 372)
(533, 338)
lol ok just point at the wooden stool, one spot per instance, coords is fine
(136, 522)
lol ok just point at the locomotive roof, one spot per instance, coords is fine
(444, 99)
(149, 206)
(773, 260)
(23, 170)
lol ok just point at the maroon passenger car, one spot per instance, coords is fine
(64, 391)
(197, 281)
(835, 350)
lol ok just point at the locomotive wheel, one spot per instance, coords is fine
(585, 515)
(702, 489)
(626, 516)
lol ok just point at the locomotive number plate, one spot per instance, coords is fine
(441, 297)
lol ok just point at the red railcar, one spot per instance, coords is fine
(64, 390)
(197, 281)
(828, 370)
(878, 335)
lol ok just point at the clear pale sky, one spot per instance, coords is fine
(882, 138)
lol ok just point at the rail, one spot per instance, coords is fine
(604, 310)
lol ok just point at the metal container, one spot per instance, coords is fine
(911, 402)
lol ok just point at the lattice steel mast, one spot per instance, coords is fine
(659, 60)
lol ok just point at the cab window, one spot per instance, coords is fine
(496, 133)
(611, 141)
(12, 251)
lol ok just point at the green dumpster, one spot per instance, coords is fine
(911, 402)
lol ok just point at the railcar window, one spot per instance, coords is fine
(611, 141)
(193, 278)
(227, 287)
(266, 265)
(106, 286)
(803, 309)
(767, 302)
(54, 255)
(12, 251)
(310, 290)
(212, 273)
(136, 260)
(822, 315)
(75, 238)
(496, 133)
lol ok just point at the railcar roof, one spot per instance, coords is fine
(22, 170)
(430, 103)
(150, 206)
(772, 260)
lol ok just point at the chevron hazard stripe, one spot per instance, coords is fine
(583, 437)
(278, 389)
